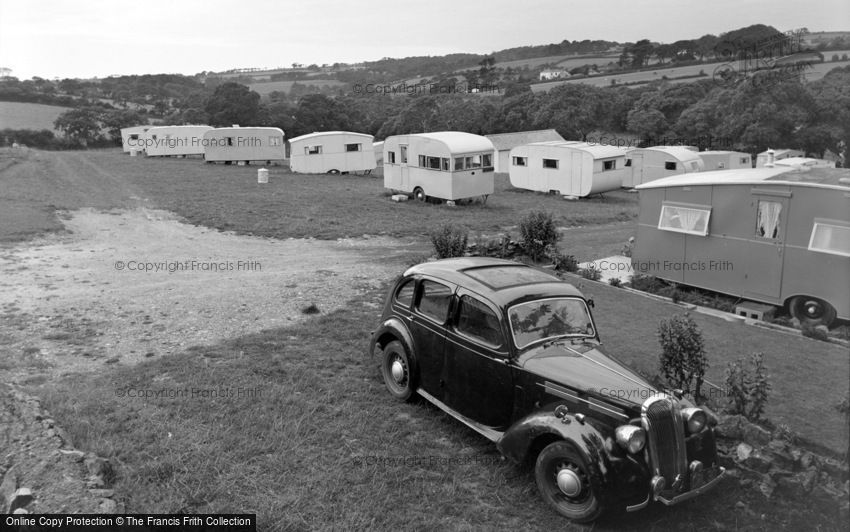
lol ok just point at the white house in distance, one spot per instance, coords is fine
(725, 160)
(763, 157)
(244, 144)
(331, 152)
(171, 141)
(505, 142)
(449, 165)
(649, 164)
(572, 169)
(554, 73)
(133, 138)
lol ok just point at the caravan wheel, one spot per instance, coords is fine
(419, 194)
(811, 311)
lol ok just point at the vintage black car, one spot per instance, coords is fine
(513, 352)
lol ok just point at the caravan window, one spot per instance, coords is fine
(488, 160)
(768, 220)
(550, 163)
(520, 161)
(690, 219)
(669, 165)
(275, 141)
(403, 150)
(391, 157)
(353, 147)
(421, 161)
(609, 165)
(445, 163)
(745, 160)
(312, 150)
(628, 162)
(458, 163)
(829, 237)
(473, 161)
(434, 163)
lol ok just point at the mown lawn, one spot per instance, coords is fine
(325, 206)
(295, 425)
(809, 377)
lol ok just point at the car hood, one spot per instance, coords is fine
(588, 369)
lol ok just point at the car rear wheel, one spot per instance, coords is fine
(811, 310)
(399, 371)
(419, 194)
(563, 478)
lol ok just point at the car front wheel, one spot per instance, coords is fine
(563, 478)
(399, 371)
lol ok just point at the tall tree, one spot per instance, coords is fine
(232, 103)
(81, 126)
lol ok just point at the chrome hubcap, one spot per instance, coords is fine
(568, 482)
(397, 371)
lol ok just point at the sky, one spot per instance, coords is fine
(99, 38)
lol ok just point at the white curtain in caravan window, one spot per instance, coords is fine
(693, 220)
(768, 219)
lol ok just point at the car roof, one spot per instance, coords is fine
(504, 282)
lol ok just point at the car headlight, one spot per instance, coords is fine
(630, 438)
(695, 419)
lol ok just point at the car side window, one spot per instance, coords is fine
(404, 295)
(477, 321)
(434, 299)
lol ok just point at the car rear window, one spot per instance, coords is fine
(404, 295)
(434, 300)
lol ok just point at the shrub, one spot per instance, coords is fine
(449, 240)
(590, 273)
(683, 358)
(538, 231)
(564, 262)
(747, 388)
(811, 331)
(615, 281)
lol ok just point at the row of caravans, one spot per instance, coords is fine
(324, 152)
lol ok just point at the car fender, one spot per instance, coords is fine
(397, 329)
(588, 436)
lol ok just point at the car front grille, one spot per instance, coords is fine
(662, 421)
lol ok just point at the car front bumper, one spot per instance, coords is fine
(700, 481)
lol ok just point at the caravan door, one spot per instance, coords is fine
(404, 169)
(766, 254)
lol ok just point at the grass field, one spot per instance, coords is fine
(17, 115)
(816, 72)
(265, 88)
(294, 424)
(326, 206)
(309, 439)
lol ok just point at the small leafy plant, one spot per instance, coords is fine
(683, 359)
(747, 387)
(591, 273)
(538, 231)
(449, 240)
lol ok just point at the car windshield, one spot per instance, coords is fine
(545, 319)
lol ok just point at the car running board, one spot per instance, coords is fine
(491, 434)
